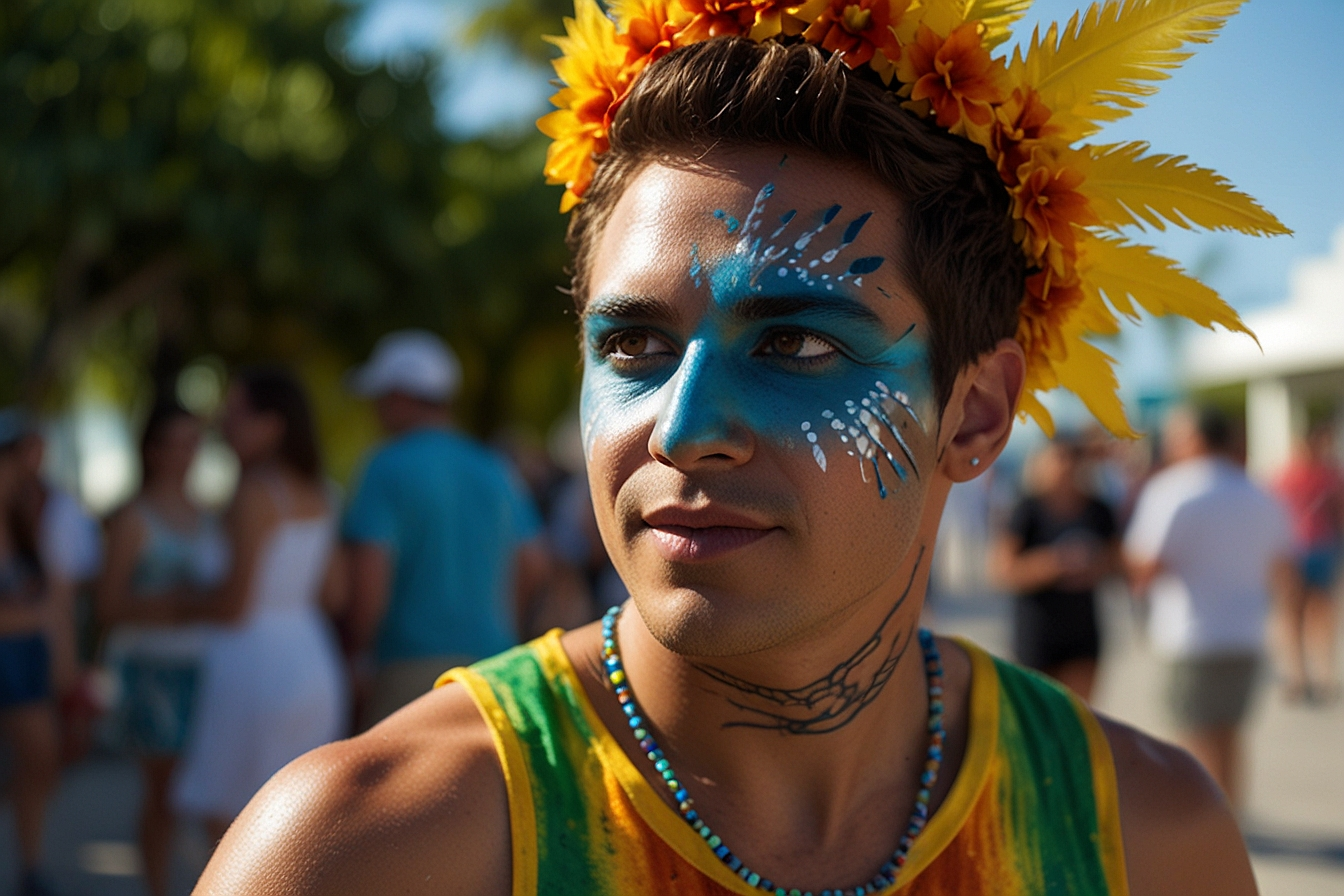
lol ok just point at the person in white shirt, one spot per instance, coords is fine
(1206, 546)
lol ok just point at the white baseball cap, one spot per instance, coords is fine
(412, 361)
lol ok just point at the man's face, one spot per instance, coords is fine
(758, 407)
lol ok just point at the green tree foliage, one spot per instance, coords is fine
(215, 176)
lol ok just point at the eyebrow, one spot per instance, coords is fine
(753, 308)
(634, 307)
(757, 308)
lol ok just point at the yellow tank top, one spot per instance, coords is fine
(1033, 810)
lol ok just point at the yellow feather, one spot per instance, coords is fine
(1030, 406)
(1102, 64)
(1088, 372)
(941, 16)
(1125, 187)
(998, 16)
(1124, 272)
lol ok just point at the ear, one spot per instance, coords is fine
(979, 415)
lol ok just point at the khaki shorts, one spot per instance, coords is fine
(1211, 691)
(397, 684)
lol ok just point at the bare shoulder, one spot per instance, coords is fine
(1179, 833)
(415, 805)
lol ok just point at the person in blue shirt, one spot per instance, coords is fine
(442, 538)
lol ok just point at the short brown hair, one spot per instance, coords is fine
(959, 253)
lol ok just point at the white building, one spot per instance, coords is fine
(1302, 361)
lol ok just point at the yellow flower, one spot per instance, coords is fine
(595, 67)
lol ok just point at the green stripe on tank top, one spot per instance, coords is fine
(1053, 825)
(554, 738)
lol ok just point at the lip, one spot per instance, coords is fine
(686, 535)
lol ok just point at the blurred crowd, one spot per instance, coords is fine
(1235, 581)
(215, 647)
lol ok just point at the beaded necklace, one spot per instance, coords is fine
(886, 875)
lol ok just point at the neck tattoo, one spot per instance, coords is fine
(886, 875)
(834, 700)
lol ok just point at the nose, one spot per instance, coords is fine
(699, 424)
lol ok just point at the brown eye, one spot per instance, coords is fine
(632, 344)
(787, 344)
(796, 344)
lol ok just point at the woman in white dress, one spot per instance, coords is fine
(273, 686)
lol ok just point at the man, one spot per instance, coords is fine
(442, 538)
(1207, 547)
(1311, 488)
(802, 320)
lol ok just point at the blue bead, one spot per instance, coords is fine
(681, 795)
(766, 884)
(720, 850)
(629, 708)
(691, 816)
(734, 862)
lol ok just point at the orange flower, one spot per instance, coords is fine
(1049, 301)
(1046, 200)
(1022, 121)
(758, 19)
(650, 28)
(861, 31)
(597, 70)
(956, 76)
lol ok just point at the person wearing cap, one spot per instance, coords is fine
(441, 534)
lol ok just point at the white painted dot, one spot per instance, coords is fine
(806, 426)
(828, 414)
(812, 437)
(783, 272)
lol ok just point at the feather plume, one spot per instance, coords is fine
(1125, 187)
(1088, 372)
(1030, 406)
(998, 17)
(942, 16)
(1103, 63)
(1124, 272)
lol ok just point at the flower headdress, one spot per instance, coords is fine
(1029, 111)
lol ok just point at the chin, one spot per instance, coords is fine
(704, 620)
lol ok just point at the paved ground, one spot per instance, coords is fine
(1294, 822)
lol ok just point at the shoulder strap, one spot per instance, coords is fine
(1063, 781)
(552, 774)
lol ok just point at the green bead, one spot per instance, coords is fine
(753, 879)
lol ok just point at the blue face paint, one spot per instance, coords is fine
(845, 387)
